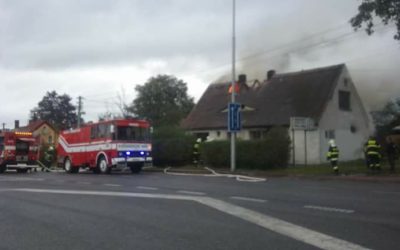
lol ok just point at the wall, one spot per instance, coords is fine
(213, 135)
(306, 145)
(350, 143)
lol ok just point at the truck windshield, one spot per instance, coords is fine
(125, 133)
(22, 147)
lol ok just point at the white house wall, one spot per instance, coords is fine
(350, 144)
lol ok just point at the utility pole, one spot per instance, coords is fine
(233, 133)
(79, 110)
(4, 126)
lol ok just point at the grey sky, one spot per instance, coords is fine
(99, 49)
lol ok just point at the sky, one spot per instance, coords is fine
(102, 49)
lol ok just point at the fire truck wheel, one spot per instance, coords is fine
(3, 168)
(102, 166)
(68, 166)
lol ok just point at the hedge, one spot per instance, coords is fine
(172, 146)
(272, 151)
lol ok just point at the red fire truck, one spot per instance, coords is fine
(18, 150)
(106, 145)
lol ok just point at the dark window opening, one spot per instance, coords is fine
(353, 129)
(344, 100)
(255, 135)
(330, 134)
(203, 135)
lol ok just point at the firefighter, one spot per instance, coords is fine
(48, 157)
(333, 156)
(196, 152)
(373, 155)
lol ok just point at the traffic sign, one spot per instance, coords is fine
(234, 119)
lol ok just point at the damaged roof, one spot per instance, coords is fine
(303, 93)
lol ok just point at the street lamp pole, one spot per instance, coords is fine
(233, 133)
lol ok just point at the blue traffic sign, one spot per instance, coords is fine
(234, 119)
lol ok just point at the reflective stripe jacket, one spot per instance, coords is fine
(333, 153)
(372, 148)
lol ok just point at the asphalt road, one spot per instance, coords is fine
(158, 211)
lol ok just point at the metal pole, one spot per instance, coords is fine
(79, 110)
(305, 147)
(294, 148)
(233, 133)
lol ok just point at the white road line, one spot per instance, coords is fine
(296, 232)
(190, 192)
(330, 209)
(147, 188)
(384, 192)
(247, 199)
(112, 185)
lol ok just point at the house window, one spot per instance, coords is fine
(50, 139)
(255, 135)
(345, 82)
(203, 136)
(344, 100)
(330, 134)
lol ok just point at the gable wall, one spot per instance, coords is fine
(350, 143)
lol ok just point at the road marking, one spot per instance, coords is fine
(190, 192)
(147, 188)
(112, 185)
(330, 209)
(247, 199)
(288, 229)
(215, 174)
(383, 192)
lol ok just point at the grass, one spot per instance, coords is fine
(346, 168)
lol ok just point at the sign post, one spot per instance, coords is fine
(233, 133)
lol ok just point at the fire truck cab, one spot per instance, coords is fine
(106, 146)
(18, 150)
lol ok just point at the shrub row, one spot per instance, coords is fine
(172, 146)
(270, 152)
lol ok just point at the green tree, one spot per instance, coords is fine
(387, 10)
(387, 118)
(56, 109)
(162, 100)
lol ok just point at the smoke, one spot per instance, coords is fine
(318, 34)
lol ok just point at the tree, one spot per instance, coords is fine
(387, 118)
(56, 109)
(163, 100)
(387, 10)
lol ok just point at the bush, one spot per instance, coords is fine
(270, 152)
(172, 146)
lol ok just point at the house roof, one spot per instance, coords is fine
(33, 125)
(303, 93)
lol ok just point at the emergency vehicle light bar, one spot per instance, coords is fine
(23, 133)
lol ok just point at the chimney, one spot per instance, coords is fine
(16, 124)
(270, 74)
(242, 79)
